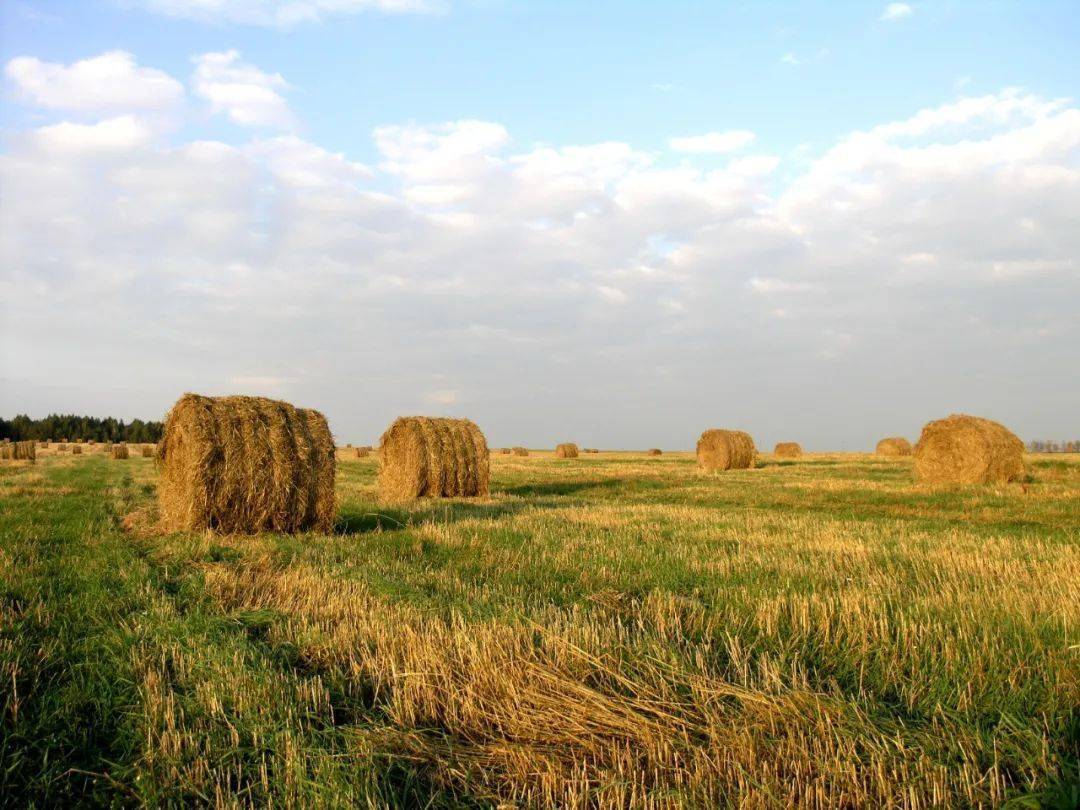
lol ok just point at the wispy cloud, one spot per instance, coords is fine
(284, 13)
(896, 11)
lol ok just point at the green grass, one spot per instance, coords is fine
(606, 631)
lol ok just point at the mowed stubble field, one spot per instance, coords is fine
(610, 631)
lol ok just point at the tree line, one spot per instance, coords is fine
(1044, 446)
(71, 427)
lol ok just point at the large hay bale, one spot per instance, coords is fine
(520, 451)
(963, 449)
(655, 451)
(119, 451)
(788, 449)
(244, 465)
(25, 450)
(893, 446)
(433, 457)
(566, 450)
(725, 450)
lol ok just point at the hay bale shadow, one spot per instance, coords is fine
(379, 518)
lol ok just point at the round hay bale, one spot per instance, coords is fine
(566, 450)
(590, 450)
(788, 449)
(655, 451)
(963, 449)
(76, 450)
(245, 465)
(725, 450)
(61, 447)
(7, 451)
(433, 457)
(147, 451)
(520, 451)
(893, 446)
(361, 452)
(504, 451)
(119, 451)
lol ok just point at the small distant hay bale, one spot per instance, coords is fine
(504, 451)
(725, 450)
(119, 451)
(76, 450)
(433, 457)
(91, 441)
(590, 450)
(893, 446)
(241, 465)
(788, 449)
(962, 449)
(147, 451)
(61, 447)
(655, 451)
(519, 451)
(361, 452)
(566, 450)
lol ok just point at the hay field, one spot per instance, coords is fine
(616, 630)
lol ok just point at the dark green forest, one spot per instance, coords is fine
(71, 427)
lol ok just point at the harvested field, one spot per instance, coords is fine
(817, 635)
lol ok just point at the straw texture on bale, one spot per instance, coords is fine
(725, 450)
(433, 457)
(76, 450)
(788, 449)
(963, 449)
(520, 451)
(119, 451)
(566, 450)
(894, 446)
(245, 465)
(19, 451)
(655, 451)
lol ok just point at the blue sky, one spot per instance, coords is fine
(637, 203)
(581, 72)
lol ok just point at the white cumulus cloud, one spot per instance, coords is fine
(247, 95)
(713, 142)
(111, 82)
